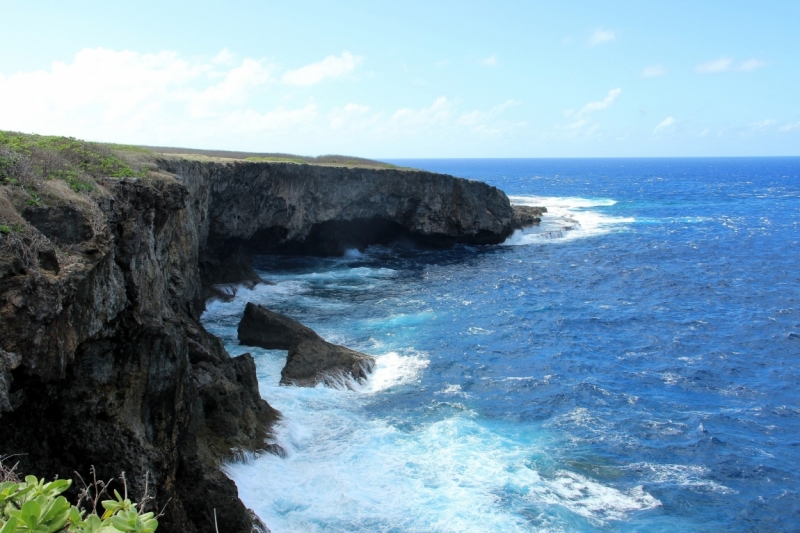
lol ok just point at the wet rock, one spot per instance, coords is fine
(311, 359)
(526, 216)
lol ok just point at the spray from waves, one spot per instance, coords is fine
(344, 470)
(567, 218)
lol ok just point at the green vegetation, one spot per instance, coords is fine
(276, 159)
(26, 158)
(5, 230)
(328, 160)
(35, 506)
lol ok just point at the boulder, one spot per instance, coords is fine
(311, 358)
(526, 215)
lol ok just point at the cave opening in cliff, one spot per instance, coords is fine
(335, 237)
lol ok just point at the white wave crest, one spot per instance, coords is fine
(565, 202)
(350, 472)
(591, 499)
(393, 369)
(567, 218)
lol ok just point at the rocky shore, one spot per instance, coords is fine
(103, 360)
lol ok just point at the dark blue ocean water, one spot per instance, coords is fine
(638, 372)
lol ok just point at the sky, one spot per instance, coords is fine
(411, 79)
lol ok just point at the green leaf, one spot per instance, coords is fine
(30, 513)
(57, 516)
(10, 527)
(150, 525)
(122, 523)
(56, 487)
(93, 524)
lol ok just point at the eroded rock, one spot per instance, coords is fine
(311, 359)
(526, 215)
(64, 224)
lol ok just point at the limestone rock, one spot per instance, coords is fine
(64, 224)
(526, 215)
(107, 355)
(311, 359)
(308, 209)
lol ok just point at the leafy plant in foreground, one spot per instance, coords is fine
(36, 506)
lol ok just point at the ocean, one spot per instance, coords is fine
(632, 364)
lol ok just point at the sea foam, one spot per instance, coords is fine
(566, 218)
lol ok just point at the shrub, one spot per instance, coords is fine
(26, 158)
(36, 506)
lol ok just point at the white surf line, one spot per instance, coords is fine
(566, 218)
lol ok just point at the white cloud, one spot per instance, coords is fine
(727, 64)
(238, 83)
(225, 56)
(278, 120)
(99, 86)
(669, 121)
(490, 61)
(330, 67)
(490, 123)
(721, 64)
(751, 64)
(162, 98)
(478, 117)
(790, 127)
(598, 105)
(581, 120)
(600, 36)
(436, 114)
(347, 116)
(218, 102)
(653, 71)
(766, 123)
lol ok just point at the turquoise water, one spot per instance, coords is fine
(636, 372)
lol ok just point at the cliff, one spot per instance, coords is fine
(103, 360)
(307, 209)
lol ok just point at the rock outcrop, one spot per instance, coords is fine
(306, 209)
(103, 360)
(526, 215)
(105, 363)
(311, 359)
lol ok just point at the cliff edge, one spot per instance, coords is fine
(103, 360)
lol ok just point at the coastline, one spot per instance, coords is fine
(126, 299)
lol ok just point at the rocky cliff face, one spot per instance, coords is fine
(103, 360)
(290, 208)
(106, 364)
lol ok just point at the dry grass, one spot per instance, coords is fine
(256, 157)
(8, 473)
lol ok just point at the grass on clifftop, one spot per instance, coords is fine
(25, 157)
(325, 160)
(28, 158)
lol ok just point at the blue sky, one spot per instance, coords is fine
(410, 79)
